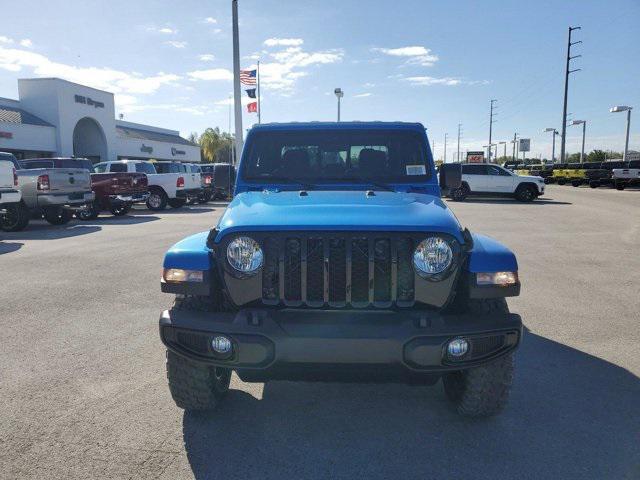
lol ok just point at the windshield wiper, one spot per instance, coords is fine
(378, 185)
(302, 183)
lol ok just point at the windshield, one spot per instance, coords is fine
(334, 156)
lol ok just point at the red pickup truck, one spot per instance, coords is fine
(115, 192)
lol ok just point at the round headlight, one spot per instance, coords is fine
(432, 256)
(244, 254)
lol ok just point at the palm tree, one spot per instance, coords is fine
(210, 143)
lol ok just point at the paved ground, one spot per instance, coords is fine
(83, 394)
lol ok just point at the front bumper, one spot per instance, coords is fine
(129, 198)
(272, 341)
(76, 200)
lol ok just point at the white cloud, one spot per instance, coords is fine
(207, 57)
(116, 81)
(369, 85)
(229, 101)
(416, 55)
(363, 95)
(176, 43)
(211, 74)
(163, 30)
(26, 43)
(428, 81)
(5, 40)
(283, 42)
(210, 20)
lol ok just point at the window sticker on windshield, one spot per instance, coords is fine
(416, 170)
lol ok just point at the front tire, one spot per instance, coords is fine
(525, 193)
(460, 194)
(482, 391)
(195, 386)
(16, 219)
(89, 213)
(157, 200)
(594, 184)
(57, 215)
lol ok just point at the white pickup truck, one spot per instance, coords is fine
(626, 177)
(164, 188)
(11, 211)
(192, 179)
(493, 180)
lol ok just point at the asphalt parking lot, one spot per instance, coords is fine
(83, 392)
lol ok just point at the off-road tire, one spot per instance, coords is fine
(176, 202)
(157, 200)
(482, 391)
(460, 194)
(195, 386)
(16, 218)
(594, 184)
(205, 197)
(620, 186)
(561, 182)
(526, 193)
(57, 215)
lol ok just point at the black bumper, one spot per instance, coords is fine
(273, 341)
(188, 193)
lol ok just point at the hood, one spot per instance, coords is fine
(533, 178)
(337, 210)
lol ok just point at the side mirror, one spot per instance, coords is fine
(450, 177)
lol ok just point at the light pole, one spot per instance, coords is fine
(553, 148)
(339, 94)
(505, 150)
(445, 148)
(624, 108)
(584, 128)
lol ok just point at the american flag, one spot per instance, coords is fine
(248, 77)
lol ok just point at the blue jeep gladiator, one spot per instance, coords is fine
(338, 261)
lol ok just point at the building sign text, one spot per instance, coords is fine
(146, 149)
(175, 151)
(88, 101)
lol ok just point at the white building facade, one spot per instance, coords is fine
(54, 117)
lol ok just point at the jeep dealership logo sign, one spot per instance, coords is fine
(175, 151)
(146, 149)
(88, 101)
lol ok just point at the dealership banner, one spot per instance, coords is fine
(475, 157)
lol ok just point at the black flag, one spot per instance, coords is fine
(251, 92)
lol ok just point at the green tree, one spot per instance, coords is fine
(573, 158)
(210, 143)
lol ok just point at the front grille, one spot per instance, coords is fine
(338, 270)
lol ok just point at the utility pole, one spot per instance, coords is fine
(566, 91)
(513, 156)
(445, 147)
(490, 127)
(433, 150)
(236, 78)
(458, 154)
(258, 82)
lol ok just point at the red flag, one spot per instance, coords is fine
(252, 107)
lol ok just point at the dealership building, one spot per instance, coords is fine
(54, 117)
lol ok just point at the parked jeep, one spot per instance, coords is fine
(10, 196)
(337, 260)
(115, 192)
(482, 179)
(53, 193)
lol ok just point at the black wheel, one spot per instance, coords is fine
(594, 184)
(57, 215)
(205, 196)
(562, 181)
(90, 213)
(459, 194)
(525, 193)
(620, 186)
(547, 181)
(576, 183)
(119, 210)
(16, 218)
(157, 200)
(192, 200)
(482, 391)
(196, 386)
(176, 202)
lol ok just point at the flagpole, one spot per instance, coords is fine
(236, 79)
(259, 109)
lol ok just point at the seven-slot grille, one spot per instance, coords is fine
(338, 270)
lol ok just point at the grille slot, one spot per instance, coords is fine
(338, 270)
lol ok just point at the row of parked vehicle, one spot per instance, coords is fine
(56, 189)
(613, 173)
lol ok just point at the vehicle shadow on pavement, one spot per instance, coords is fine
(571, 415)
(8, 247)
(51, 232)
(121, 220)
(510, 200)
(172, 211)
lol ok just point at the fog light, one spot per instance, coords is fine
(457, 347)
(221, 345)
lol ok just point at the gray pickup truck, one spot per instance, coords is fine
(53, 193)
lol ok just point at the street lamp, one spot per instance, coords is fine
(553, 149)
(624, 108)
(584, 127)
(339, 94)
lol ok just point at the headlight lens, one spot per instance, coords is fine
(244, 254)
(432, 256)
(179, 275)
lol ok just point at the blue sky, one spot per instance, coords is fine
(169, 63)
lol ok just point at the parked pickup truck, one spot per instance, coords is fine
(338, 260)
(164, 188)
(115, 192)
(494, 180)
(55, 193)
(626, 177)
(12, 217)
(206, 182)
(192, 182)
